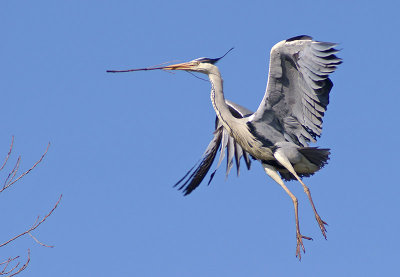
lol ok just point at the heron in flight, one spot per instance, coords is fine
(288, 118)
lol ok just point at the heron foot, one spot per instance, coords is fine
(321, 224)
(300, 245)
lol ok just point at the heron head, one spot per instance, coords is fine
(202, 65)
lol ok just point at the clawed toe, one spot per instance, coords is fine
(300, 245)
(322, 224)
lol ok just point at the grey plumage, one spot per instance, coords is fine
(221, 141)
(288, 118)
(298, 88)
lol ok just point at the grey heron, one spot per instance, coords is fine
(288, 118)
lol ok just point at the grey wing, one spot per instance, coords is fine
(297, 93)
(221, 141)
(232, 147)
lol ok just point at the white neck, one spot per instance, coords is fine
(218, 100)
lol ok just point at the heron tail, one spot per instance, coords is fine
(315, 155)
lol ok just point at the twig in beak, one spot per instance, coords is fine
(154, 67)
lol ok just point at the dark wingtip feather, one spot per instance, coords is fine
(238, 155)
(301, 37)
(190, 170)
(211, 177)
(231, 153)
(197, 176)
(247, 160)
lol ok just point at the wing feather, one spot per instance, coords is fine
(298, 88)
(238, 156)
(221, 141)
(231, 153)
(197, 175)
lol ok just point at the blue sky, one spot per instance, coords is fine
(119, 142)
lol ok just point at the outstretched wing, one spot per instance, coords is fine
(297, 93)
(222, 141)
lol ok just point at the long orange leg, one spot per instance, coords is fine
(286, 163)
(271, 171)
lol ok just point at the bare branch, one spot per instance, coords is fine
(9, 181)
(30, 169)
(12, 266)
(12, 174)
(42, 244)
(11, 270)
(9, 153)
(9, 260)
(25, 265)
(35, 225)
(6, 263)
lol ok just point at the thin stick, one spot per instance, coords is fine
(22, 267)
(9, 260)
(136, 69)
(35, 225)
(9, 153)
(4, 272)
(42, 244)
(12, 174)
(154, 67)
(11, 181)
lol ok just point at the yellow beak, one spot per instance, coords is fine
(179, 66)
